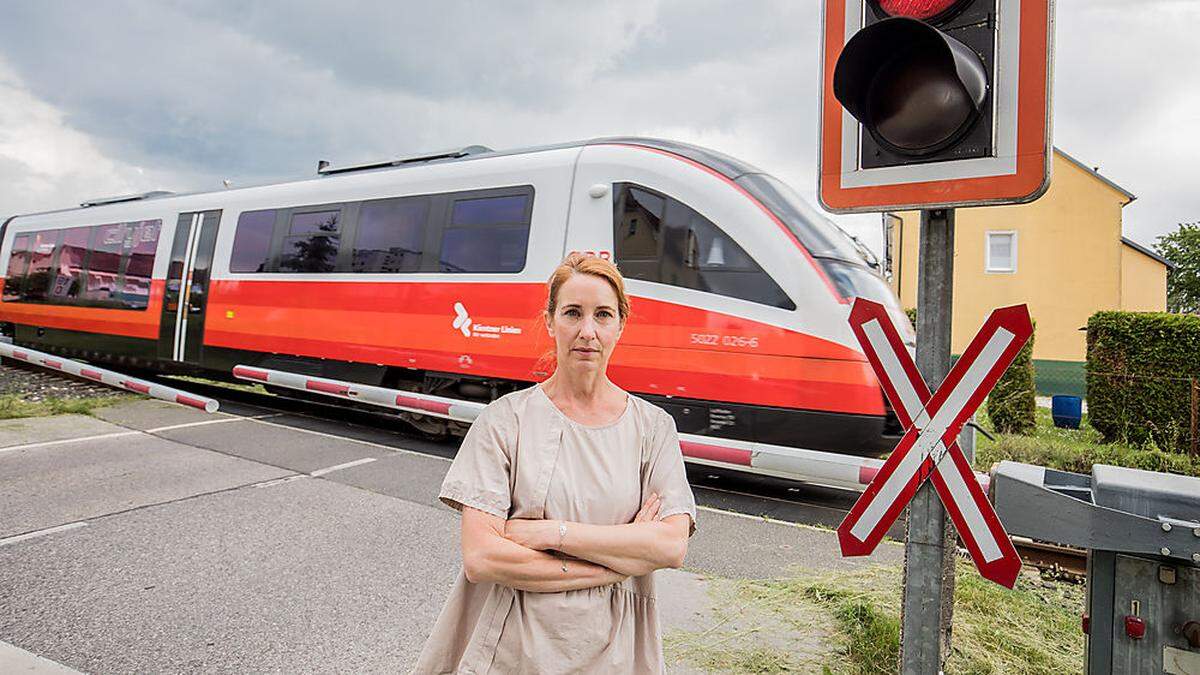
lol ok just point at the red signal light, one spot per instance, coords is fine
(924, 10)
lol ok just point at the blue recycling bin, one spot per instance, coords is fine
(1067, 411)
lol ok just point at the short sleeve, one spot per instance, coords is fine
(663, 471)
(479, 474)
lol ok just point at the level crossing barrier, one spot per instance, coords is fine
(108, 377)
(799, 464)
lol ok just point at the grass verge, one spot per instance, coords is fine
(13, 406)
(1074, 450)
(1031, 629)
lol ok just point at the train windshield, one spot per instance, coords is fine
(819, 236)
(846, 262)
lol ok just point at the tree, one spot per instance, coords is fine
(1182, 248)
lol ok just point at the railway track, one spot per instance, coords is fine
(750, 494)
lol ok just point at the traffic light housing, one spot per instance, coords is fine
(924, 102)
(920, 87)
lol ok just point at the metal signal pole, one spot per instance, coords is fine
(928, 595)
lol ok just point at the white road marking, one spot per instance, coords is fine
(389, 448)
(339, 467)
(280, 481)
(207, 422)
(766, 519)
(41, 533)
(121, 434)
(43, 444)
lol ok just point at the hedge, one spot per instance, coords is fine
(1141, 368)
(1012, 406)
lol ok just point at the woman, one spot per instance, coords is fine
(572, 492)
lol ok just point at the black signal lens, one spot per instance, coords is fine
(914, 105)
(913, 88)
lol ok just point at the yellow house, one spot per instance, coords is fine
(1063, 255)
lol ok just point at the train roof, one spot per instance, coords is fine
(820, 236)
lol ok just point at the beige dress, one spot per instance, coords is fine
(523, 458)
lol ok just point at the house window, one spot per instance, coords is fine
(1001, 253)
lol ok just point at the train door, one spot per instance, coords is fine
(181, 331)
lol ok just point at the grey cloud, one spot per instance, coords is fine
(256, 91)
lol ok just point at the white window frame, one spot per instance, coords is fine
(988, 267)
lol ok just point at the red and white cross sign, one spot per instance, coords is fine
(929, 447)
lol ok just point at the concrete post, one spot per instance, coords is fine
(928, 595)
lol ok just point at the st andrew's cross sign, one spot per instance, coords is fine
(929, 448)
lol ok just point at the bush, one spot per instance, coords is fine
(1141, 367)
(1012, 406)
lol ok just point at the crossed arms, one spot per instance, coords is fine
(515, 553)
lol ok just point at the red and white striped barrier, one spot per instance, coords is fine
(808, 466)
(427, 404)
(108, 377)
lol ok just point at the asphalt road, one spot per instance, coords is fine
(162, 539)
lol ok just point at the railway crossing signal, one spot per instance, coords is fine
(934, 103)
(929, 448)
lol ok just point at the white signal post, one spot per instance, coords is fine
(929, 448)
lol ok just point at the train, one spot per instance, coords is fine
(428, 274)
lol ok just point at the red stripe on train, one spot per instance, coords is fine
(21, 355)
(861, 395)
(52, 364)
(716, 453)
(91, 374)
(422, 404)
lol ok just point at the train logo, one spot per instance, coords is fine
(463, 320)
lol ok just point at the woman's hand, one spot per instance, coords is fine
(542, 535)
(539, 535)
(649, 510)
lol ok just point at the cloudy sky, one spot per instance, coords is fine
(111, 97)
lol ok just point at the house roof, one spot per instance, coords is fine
(1128, 195)
(1142, 249)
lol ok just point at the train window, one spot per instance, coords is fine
(391, 235)
(40, 272)
(98, 265)
(486, 234)
(694, 252)
(854, 281)
(18, 262)
(142, 244)
(104, 263)
(312, 242)
(493, 249)
(252, 241)
(490, 210)
(72, 256)
(639, 225)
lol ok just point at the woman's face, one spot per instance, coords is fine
(585, 325)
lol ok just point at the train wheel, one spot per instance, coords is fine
(433, 428)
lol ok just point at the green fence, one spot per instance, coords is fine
(1060, 377)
